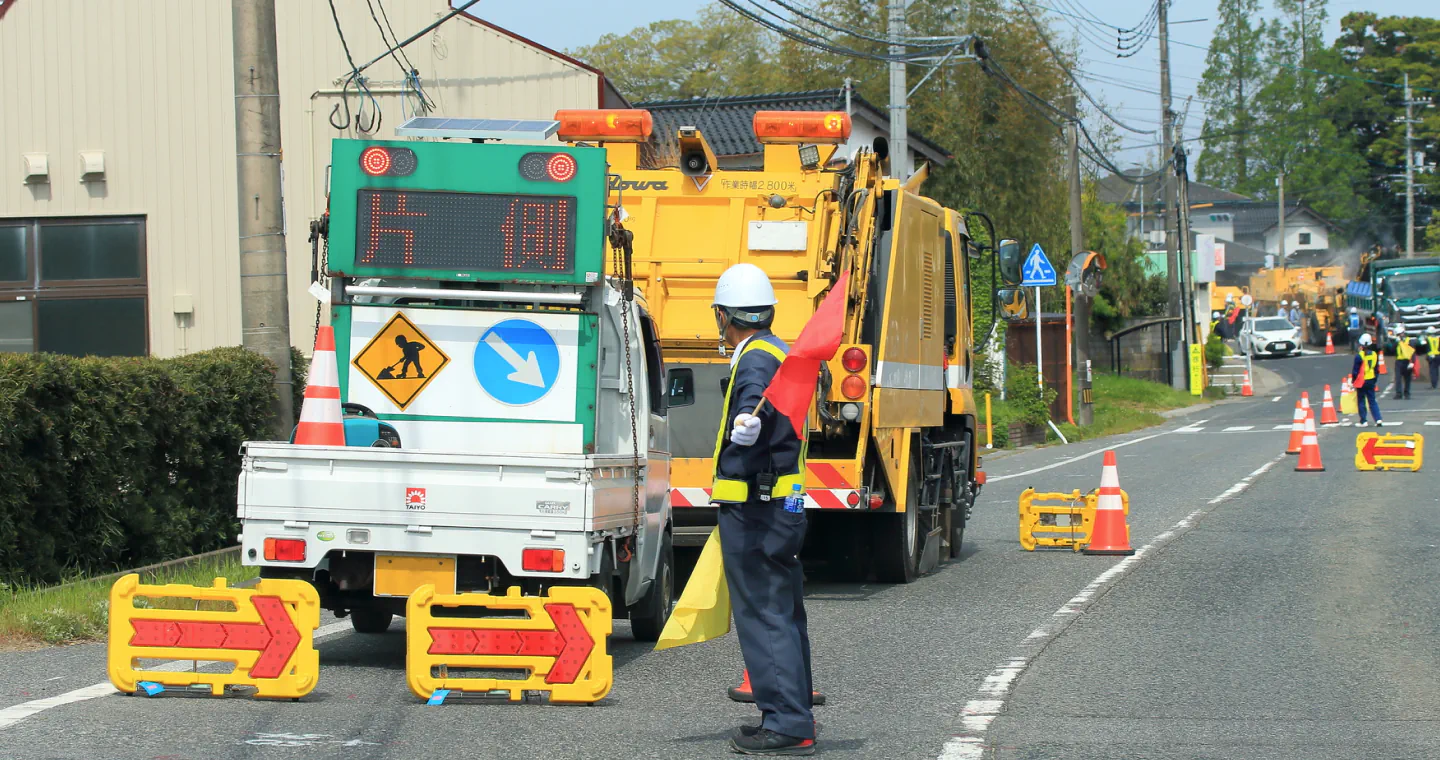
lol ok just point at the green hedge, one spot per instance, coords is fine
(114, 463)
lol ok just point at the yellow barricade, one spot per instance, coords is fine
(1066, 520)
(1389, 451)
(268, 636)
(559, 648)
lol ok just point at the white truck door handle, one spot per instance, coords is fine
(423, 530)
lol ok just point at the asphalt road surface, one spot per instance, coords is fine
(1267, 614)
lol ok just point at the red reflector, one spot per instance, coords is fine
(853, 387)
(543, 560)
(375, 161)
(853, 499)
(285, 549)
(853, 360)
(561, 167)
(877, 501)
(980, 477)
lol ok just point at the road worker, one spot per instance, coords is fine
(1354, 328)
(1432, 350)
(1294, 315)
(1284, 310)
(759, 461)
(1364, 376)
(1405, 348)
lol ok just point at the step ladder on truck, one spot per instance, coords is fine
(520, 390)
(892, 465)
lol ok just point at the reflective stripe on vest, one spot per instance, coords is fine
(1372, 360)
(1404, 351)
(738, 491)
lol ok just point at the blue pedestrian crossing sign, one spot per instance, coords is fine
(517, 362)
(1037, 271)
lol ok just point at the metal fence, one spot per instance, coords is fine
(1140, 350)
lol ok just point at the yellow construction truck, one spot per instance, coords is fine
(892, 469)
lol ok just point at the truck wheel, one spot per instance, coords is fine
(648, 616)
(370, 620)
(897, 542)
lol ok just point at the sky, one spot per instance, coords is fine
(1129, 87)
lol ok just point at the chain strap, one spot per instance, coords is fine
(621, 241)
(321, 230)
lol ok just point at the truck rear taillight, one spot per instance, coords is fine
(853, 360)
(543, 560)
(853, 387)
(284, 550)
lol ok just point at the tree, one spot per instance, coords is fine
(1234, 74)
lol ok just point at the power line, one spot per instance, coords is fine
(1061, 63)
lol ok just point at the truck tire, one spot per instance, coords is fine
(648, 616)
(897, 538)
(370, 620)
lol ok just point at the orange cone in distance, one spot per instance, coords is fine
(1110, 534)
(1310, 450)
(1329, 344)
(743, 693)
(1297, 430)
(320, 417)
(1246, 389)
(1382, 369)
(1327, 409)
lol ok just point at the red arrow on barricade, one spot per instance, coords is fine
(1371, 450)
(275, 637)
(569, 643)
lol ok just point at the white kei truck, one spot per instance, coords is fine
(504, 400)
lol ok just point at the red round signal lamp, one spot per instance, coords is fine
(853, 360)
(561, 167)
(853, 498)
(853, 387)
(375, 161)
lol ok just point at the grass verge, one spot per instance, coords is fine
(79, 611)
(1125, 404)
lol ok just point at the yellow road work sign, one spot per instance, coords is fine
(400, 360)
(559, 648)
(1059, 519)
(1385, 451)
(267, 632)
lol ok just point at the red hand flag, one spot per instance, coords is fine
(793, 387)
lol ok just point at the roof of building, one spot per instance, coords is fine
(1119, 190)
(1297, 210)
(728, 123)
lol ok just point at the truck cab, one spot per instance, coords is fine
(523, 390)
(1399, 291)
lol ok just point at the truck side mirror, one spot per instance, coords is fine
(1008, 253)
(681, 384)
(1013, 304)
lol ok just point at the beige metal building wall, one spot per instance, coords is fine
(150, 84)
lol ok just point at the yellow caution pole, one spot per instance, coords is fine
(989, 428)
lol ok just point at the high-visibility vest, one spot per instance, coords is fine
(1434, 342)
(1403, 350)
(1372, 360)
(738, 491)
(1354, 321)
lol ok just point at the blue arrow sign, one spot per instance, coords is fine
(517, 362)
(1037, 271)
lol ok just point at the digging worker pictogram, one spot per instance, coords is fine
(410, 351)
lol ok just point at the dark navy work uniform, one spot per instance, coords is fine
(760, 542)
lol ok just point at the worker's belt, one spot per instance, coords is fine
(738, 491)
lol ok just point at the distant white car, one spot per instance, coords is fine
(1269, 336)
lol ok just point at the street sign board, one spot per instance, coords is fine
(1037, 270)
(400, 347)
(1388, 451)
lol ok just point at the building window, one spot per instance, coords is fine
(1304, 238)
(74, 286)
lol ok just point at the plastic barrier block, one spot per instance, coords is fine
(1389, 451)
(559, 648)
(268, 637)
(1059, 519)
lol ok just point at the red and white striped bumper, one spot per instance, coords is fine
(815, 498)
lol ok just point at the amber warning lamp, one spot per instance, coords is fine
(793, 127)
(607, 125)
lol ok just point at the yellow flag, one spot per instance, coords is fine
(703, 611)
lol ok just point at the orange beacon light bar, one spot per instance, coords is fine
(605, 125)
(780, 127)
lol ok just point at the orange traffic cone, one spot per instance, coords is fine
(1246, 389)
(320, 420)
(1329, 344)
(743, 692)
(1382, 369)
(1110, 535)
(1310, 450)
(1327, 409)
(1297, 430)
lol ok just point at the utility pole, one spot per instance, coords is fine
(1081, 330)
(899, 131)
(1187, 270)
(1409, 171)
(1168, 205)
(1280, 183)
(264, 294)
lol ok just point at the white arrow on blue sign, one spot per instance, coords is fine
(1037, 271)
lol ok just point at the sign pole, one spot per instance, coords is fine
(1039, 362)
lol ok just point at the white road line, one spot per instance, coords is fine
(1432, 423)
(1277, 398)
(989, 701)
(1283, 427)
(1064, 462)
(16, 713)
(1239, 428)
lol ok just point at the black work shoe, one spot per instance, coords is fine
(747, 730)
(767, 742)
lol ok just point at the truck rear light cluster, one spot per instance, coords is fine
(542, 560)
(548, 167)
(853, 360)
(379, 161)
(284, 550)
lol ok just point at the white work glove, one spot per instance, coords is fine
(747, 430)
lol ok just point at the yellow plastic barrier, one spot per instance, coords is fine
(1066, 520)
(559, 648)
(1389, 451)
(268, 636)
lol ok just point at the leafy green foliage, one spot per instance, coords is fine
(1214, 350)
(1023, 396)
(112, 463)
(1234, 75)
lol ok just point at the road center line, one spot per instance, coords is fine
(1077, 458)
(16, 713)
(989, 701)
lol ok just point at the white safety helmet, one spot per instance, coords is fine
(1432, 330)
(1284, 303)
(1366, 340)
(744, 297)
(1399, 329)
(1214, 315)
(1229, 298)
(1354, 310)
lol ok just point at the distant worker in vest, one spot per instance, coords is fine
(1432, 348)
(1284, 310)
(1364, 376)
(1354, 328)
(759, 461)
(1405, 349)
(1295, 313)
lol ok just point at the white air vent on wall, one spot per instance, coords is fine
(37, 167)
(92, 165)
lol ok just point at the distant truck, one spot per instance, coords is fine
(1398, 291)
